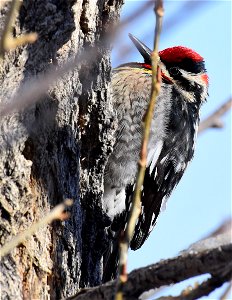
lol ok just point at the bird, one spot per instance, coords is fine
(184, 88)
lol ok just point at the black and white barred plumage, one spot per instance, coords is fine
(172, 139)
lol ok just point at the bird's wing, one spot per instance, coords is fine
(162, 175)
(158, 184)
(161, 179)
(157, 187)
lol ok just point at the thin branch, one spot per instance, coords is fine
(214, 121)
(225, 226)
(141, 10)
(57, 213)
(226, 294)
(7, 41)
(3, 2)
(200, 290)
(136, 202)
(187, 11)
(33, 89)
(7, 30)
(220, 236)
(216, 261)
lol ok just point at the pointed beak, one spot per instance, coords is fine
(143, 49)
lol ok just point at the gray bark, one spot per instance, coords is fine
(56, 149)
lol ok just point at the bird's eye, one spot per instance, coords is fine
(174, 71)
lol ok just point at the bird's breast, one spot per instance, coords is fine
(131, 94)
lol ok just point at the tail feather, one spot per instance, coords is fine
(111, 260)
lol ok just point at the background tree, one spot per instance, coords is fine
(57, 148)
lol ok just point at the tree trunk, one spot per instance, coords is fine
(56, 149)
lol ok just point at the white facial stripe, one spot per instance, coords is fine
(188, 95)
(194, 78)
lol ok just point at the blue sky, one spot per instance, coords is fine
(202, 200)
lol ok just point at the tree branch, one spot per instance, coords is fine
(187, 11)
(226, 292)
(7, 41)
(203, 289)
(57, 213)
(213, 121)
(216, 261)
(136, 202)
(141, 10)
(32, 89)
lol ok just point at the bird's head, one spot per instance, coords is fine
(180, 66)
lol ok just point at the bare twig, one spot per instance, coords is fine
(227, 292)
(33, 89)
(3, 2)
(7, 41)
(225, 227)
(136, 202)
(220, 236)
(136, 14)
(214, 121)
(216, 261)
(57, 213)
(187, 11)
(200, 290)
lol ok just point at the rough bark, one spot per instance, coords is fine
(56, 149)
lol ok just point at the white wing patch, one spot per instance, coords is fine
(180, 166)
(153, 156)
(164, 203)
(163, 159)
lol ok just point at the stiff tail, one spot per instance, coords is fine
(111, 260)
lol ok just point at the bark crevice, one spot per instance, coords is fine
(56, 148)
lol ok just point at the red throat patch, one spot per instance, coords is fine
(205, 78)
(178, 53)
(146, 66)
(166, 78)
